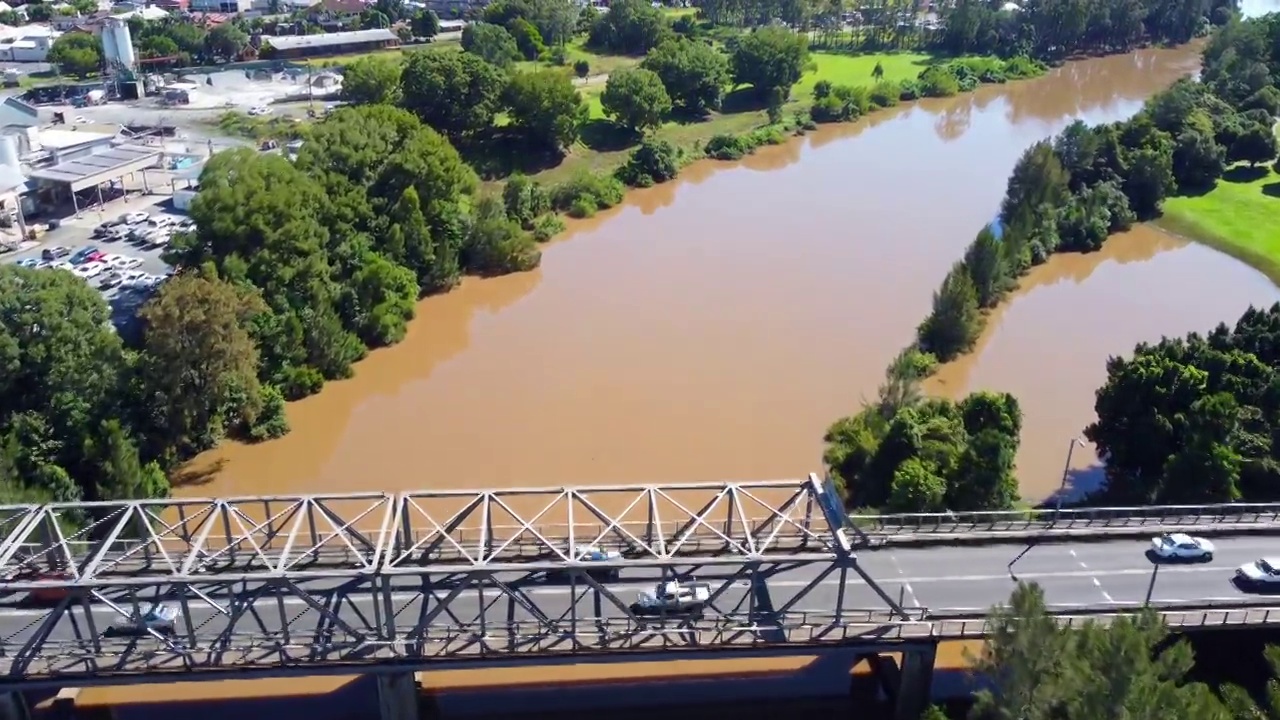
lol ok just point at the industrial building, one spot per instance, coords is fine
(356, 41)
(54, 171)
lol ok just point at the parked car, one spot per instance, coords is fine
(124, 262)
(84, 255)
(29, 262)
(55, 253)
(134, 218)
(90, 269)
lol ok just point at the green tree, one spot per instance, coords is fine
(114, 467)
(635, 99)
(1038, 179)
(631, 27)
(200, 366)
(916, 488)
(525, 200)
(1198, 161)
(491, 43)
(528, 39)
(546, 108)
(497, 244)
(78, 53)
(987, 268)
(384, 294)
(693, 73)
(425, 24)
(371, 80)
(770, 59)
(1256, 145)
(1150, 180)
(955, 322)
(456, 93)
(225, 41)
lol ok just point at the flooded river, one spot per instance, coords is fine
(713, 327)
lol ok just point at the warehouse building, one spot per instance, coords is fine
(340, 43)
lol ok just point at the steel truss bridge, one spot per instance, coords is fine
(373, 582)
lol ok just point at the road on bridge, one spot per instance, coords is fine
(946, 580)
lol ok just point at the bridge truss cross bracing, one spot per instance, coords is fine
(365, 580)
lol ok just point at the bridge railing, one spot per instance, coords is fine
(1094, 518)
(68, 658)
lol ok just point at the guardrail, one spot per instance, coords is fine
(1149, 518)
(80, 662)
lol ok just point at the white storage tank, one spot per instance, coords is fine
(117, 45)
(9, 152)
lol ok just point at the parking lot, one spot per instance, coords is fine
(125, 266)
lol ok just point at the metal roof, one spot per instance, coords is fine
(293, 42)
(125, 158)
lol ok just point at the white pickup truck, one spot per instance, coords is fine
(673, 597)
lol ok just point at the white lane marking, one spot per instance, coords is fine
(905, 585)
(1096, 582)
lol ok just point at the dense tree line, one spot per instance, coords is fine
(908, 454)
(1057, 29)
(1130, 667)
(86, 416)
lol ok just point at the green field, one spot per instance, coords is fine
(1241, 217)
(857, 69)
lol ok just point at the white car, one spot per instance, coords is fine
(260, 110)
(29, 263)
(159, 619)
(130, 278)
(63, 265)
(134, 218)
(1261, 572)
(90, 269)
(160, 222)
(1177, 546)
(123, 262)
(673, 597)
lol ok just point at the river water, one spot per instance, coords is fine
(714, 326)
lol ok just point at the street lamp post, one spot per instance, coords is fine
(1066, 470)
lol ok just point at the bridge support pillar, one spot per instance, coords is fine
(13, 706)
(915, 686)
(397, 696)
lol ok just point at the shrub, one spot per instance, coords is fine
(582, 68)
(885, 93)
(655, 161)
(727, 147)
(937, 81)
(586, 193)
(821, 89)
(830, 109)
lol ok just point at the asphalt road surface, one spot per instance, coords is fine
(945, 580)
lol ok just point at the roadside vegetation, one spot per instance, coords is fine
(298, 269)
(1183, 421)
(1130, 667)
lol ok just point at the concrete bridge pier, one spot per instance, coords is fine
(397, 696)
(915, 686)
(13, 706)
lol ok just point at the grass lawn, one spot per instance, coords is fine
(1239, 217)
(856, 69)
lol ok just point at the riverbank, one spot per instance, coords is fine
(742, 116)
(1240, 217)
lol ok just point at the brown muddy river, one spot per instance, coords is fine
(716, 325)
